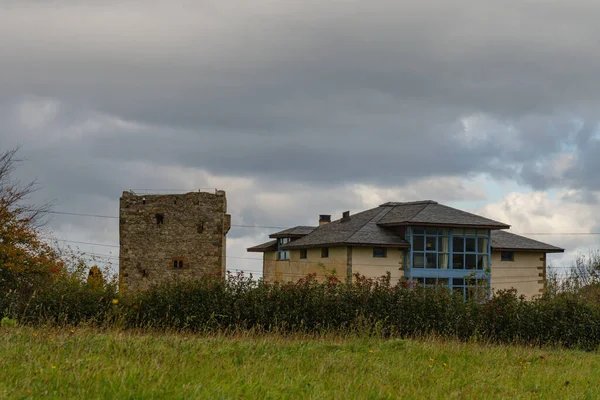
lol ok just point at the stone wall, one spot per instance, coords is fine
(172, 236)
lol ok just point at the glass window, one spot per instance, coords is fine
(379, 252)
(431, 231)
(507, 256)
(483, 232)
(431, 243)
(303, 253)
(471, 245)
(482, 262)
(419, 243)
(470, 261)
(418, 231)
(444, 244)
(325, 252)
(458, 244)
(458, 231)
(418, 260)
(430, 281)
(443, 260)
(431, 260)
(482, 243)
(472, 232)
(458, 281)
(458, 261)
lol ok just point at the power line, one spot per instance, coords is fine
(113, 217)
(82, 215)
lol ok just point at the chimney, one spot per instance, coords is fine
(345, 216)
(324, 219)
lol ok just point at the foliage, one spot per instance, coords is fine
(26, 262)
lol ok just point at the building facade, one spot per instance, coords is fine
(171, 236)
(422, 242)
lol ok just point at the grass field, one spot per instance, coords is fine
(111, 365)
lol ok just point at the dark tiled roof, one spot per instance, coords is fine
(296, 231)
(432, 213)
(360, 230)
(502, 240)
(271, 245)
(375, 227)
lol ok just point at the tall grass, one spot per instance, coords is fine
(88, 363)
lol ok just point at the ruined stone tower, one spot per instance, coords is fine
(172, 236)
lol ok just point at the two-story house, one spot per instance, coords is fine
(422, 242)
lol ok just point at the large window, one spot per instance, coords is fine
(443, 248)
(282, 254)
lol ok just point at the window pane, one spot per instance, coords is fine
(379, 252)
(443, 260)
(458, 261)
(418, 260)
(431, 260)
(443, 281)
(458, 282)
(470, 232)
(444, 231)
(431, 231)
(418, 243)
(431, 243)
(483, 232)
(482, 262)
(482, 244)
(507, 256)
(471, 245)
(444, 244)
(418, 231)
(458, 231)
(430, 281)
(471, 261)
(458, 244)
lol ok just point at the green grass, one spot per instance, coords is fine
(85, 363)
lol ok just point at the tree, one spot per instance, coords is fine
(26, 261)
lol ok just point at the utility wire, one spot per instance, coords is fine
(113, 217)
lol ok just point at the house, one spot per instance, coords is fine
(423, 242)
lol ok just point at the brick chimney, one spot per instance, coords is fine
(324, 219)
(345, 216)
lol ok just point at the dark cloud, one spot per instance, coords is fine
(107, 96)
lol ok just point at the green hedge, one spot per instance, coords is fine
(367, 307)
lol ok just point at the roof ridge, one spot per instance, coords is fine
(420, 211)
(385, 209)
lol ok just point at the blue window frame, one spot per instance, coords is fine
(446, 255)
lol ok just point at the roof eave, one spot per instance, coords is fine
(557, 250)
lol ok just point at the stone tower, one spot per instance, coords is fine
(172, 236)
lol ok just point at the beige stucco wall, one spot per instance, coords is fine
(522, 274)
(365, 264)
(296, 268)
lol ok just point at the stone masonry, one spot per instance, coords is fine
(171, 237)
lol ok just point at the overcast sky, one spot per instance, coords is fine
(303, 107)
